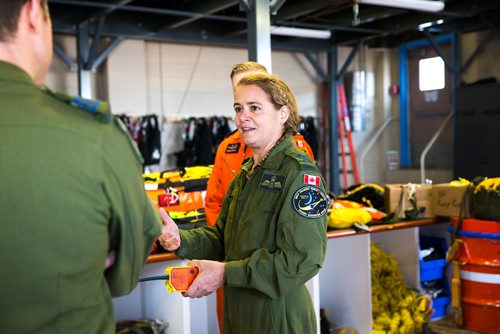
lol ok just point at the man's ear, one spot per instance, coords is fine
(35, 13)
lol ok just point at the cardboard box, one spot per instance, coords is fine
(397, 199)
(447, 199)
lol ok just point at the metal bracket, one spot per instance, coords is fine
(72, 65)
(349, 60)
(355, 12)
(249, 5)
(275, 5)
(439, 51)
(314, 63)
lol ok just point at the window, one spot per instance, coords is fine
(431, 74)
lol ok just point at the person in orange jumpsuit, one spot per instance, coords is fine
(228, 159)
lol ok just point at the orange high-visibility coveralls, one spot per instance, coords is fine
(228, 159)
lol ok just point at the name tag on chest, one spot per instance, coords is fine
(233, 148)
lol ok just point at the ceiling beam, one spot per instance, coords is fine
(109, 10)
(207, 7)
(302, 8)
(151, 10)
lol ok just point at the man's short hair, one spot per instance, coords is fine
(9, 16)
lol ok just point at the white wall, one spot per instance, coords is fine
(187, 80)
(177, 81)
(126, 76)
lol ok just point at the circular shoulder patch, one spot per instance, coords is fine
(310, 202)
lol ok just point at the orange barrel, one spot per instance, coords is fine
(479, 258)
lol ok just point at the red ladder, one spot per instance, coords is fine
(344, 125)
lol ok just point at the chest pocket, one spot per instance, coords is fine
(257, 224)
(258, 205)
(265, 198)
(257, 229)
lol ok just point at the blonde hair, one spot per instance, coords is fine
(280, 95)
(248, 66)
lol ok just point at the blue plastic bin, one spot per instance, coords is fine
(440, 303)
(434, 269)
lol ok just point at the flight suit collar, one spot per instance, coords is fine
(12, 73)
(271, 162)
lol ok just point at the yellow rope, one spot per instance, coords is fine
(397, 308)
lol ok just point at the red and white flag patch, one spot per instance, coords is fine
(311, 179)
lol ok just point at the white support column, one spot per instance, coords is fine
(259, 32)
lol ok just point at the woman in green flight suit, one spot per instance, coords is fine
(270, 237)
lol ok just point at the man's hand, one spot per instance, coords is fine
(212, 275)
(169, 238)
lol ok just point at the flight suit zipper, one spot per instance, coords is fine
(244, 185)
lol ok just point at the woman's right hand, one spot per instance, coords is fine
(169, 238)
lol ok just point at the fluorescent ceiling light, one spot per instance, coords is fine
(300, 32)
(429, 24)
(421, 5)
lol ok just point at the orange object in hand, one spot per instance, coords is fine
(177, 279)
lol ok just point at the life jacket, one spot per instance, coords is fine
(181, 190)
(220, 130)
(308, 130)
(344, 213)
(198, 143)
(369, 194)
(149, 142)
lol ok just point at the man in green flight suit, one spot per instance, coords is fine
(76, 223)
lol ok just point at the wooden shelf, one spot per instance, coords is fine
(385, 227)
(332, 234)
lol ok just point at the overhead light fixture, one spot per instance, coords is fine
(301, 32)
(426, 25)
(421, 5)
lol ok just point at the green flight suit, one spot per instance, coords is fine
(271, 233)
(71, 192)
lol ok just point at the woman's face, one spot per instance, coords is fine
(257, 119)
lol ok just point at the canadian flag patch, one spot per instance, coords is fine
(311, 179)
